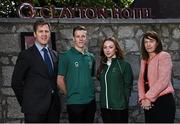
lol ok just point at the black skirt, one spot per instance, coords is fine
(163, 110)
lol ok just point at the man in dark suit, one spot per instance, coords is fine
(34, 78)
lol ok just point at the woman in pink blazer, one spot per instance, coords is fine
(155, 89)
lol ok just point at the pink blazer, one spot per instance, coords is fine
(159, 77)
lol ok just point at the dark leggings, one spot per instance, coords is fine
(114, 116)
(163, 110)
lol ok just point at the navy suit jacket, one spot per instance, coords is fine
(31, 82)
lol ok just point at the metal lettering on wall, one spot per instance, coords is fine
(26, 10)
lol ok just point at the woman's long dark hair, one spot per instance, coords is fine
(119, 54)
(149, 35)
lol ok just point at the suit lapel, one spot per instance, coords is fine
(39, 59)
(41, 62)
(54, 60)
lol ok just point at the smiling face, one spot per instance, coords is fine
(42, 34)
(150, 45)
(109, 49)
(80, 39)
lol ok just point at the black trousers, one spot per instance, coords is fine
(114, 116)
(52, 116)
(163, 110)
(81, 113)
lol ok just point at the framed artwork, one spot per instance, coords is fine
(28, 39)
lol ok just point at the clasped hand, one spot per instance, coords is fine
(146, 104)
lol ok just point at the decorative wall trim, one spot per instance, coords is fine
(94, 21)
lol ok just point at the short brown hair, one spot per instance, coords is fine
(40, 22)
(79, 27)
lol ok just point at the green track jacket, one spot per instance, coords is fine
(116, 82)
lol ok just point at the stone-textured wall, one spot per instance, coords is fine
(128, 32)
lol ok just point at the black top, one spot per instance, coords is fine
(146, 85)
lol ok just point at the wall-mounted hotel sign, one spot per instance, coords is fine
(26, 10)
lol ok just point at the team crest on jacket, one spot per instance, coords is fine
(114, 69)
(76, 64)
